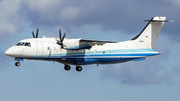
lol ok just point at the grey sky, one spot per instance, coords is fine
(112, 14)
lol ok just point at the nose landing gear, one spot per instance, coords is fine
(17, 64)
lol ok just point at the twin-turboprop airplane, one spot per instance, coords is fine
(85, 52)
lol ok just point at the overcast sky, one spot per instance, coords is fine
(155, 79)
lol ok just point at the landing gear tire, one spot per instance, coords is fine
(79, 68)
(17, 64)
(67, 67)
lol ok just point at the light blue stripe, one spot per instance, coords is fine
(109, 55)
(106, 51)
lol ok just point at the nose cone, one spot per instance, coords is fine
(9, 52)
(12, 52)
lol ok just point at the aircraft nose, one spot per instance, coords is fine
(12, 52)
(8, 52)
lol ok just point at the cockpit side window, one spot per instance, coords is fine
(20, 44)
(24, 44)
(27, 44)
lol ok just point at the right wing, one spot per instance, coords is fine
(87, 44)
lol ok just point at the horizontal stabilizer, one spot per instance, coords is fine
(158, 20)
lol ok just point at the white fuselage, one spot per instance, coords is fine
(47, 49)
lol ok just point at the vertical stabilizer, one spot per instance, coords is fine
(148, 36)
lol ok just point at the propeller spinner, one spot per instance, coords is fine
(36, 33)
(61, 39)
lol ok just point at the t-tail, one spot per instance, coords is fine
(148, 36)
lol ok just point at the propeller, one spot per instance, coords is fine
(36, 33)
(61, 39)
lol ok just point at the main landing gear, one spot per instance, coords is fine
(79, 68)
(67, 67)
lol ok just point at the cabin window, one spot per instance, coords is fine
(103, 52)
(20, 44)
(27, 44)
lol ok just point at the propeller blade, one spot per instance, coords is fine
(33, 34)
(63, 37)
(60, 34)
(60, 42)
(37, 32)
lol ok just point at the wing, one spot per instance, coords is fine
(96, 41)
(87, 44)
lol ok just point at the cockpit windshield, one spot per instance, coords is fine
(23, 44)
(20, 44)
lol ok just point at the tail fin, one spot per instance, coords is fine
(148, 36)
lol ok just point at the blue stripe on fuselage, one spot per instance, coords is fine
(92, 57)
(110, 56)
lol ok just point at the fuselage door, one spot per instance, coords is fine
(46, 50)
(39, 49)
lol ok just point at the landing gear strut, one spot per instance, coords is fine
(17, 64)
(67, 67)
(78, 68)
